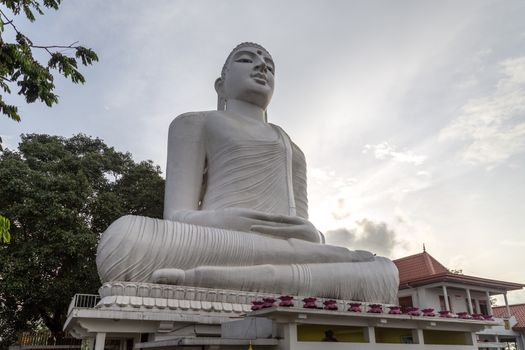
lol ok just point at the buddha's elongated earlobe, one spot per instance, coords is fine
(221, 100)
(221, 103)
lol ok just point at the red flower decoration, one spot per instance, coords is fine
(375, 308)
(354, 307)
(414, 311)
(428, 312)
(268, 302)
(330, 304)
(257, 304)
(286, 300)
(309, 303)
(395, 310)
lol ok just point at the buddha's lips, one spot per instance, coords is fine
(259, 78)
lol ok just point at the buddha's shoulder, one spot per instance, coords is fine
(196, 119)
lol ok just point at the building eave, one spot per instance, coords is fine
(464, 279)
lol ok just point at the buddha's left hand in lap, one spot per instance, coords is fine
(248, 220)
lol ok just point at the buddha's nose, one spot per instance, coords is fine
(262, 66)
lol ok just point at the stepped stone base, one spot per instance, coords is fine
(160, 297)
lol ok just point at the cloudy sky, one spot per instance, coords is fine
(411, 113)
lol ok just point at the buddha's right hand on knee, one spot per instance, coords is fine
(325, 253)
(252, 221)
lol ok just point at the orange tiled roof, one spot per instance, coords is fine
(422, 268)
(418, 266)
(518, 310)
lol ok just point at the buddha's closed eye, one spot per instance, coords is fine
(244, 60)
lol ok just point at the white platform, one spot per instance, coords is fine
(169, 317)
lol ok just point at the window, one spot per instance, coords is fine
(442, 304)
(483, 308)
(474, 307)
(405, 303)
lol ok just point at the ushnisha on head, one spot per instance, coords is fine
(247, 75)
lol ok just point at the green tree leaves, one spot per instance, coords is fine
(60, 194)
(87, 56)
(5, 230)
(18, 66)
(28, 6)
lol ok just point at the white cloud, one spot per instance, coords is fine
(516, 297)
(331, 197)
(457, 262)
(423, 173)
(493, 126)
(377, 237)
(384, 150)
(330, 180)
(512, 243)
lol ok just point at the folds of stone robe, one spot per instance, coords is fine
(133, 248)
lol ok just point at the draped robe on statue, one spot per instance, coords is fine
(268, 176)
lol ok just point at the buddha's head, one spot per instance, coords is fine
(247, 75)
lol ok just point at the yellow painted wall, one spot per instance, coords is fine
(447, 337)
(391, 335)
(314, 332)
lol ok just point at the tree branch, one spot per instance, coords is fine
(9, 21)
(70, 46)
(45, 47)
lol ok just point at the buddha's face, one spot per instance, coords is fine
(249, 77)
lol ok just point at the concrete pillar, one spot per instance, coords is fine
(100, 341)
(289, 337)
(445, 296)
(421, 297)
(506, 304)
(419, 338)
(474, 338)
(489, 305)
(371, 335)
(470, 309)
(521, 342)
(293, 336)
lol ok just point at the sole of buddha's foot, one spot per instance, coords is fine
(168, 276)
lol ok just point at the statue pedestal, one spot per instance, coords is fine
(146, 316)
(160, 298)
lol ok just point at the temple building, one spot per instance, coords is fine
(438, 309)
(426, 283)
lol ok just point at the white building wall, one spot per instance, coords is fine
(429, 297)
(458, 300)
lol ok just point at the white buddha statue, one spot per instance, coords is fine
(235, 209)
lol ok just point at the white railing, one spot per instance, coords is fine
(487, 345)
(83, 301)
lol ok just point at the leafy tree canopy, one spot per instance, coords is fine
(5, 226)
(60, 194)
(20, 69)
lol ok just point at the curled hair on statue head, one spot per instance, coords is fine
(221, 100)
